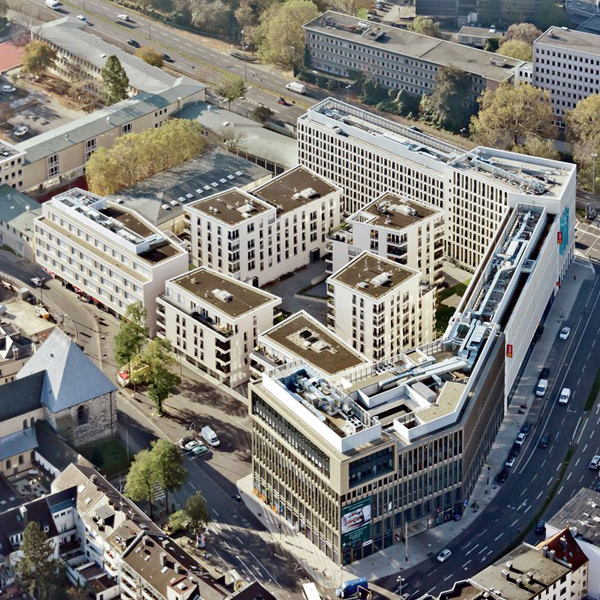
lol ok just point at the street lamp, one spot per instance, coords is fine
(594, 156)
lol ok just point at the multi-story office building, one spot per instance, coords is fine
(359, 461)
(380, 307)
(259, 236)
(59, 155)
(105, 252)
(566, 62)
(213, 321)
(368, 155)
(301, 337)
(12, 159)
(407, 232)
(396, 58)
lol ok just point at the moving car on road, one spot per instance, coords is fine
(281, 100)
(168, 59)
(444, 555)
(564, 333)
(133, 43)
(125, 18)
(294, 86)
(594, 463)
(545, 440)
(83, 19)
(564, 397)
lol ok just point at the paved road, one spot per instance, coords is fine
(523, 494)
(191, 55)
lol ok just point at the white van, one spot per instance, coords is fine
(541, 388)
(53, 4)
(210, 437)
(294, 86)
(564, 397)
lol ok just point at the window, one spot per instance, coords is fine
(90, 147)
(82, 415)
(126, 128)
(53, 165)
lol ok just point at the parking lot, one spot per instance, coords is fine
(28, 110)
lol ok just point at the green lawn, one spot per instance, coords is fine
(110, 457)
(459, 288)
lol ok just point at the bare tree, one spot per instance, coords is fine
(231, 139)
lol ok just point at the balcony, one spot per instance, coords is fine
(225, 346)
(221, 329)
(225, 358)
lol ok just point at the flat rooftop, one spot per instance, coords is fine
(214, 171)
(372, 275)
(8, 150)
(582, 514)
(231, 207)
(223, 293)
(570, 39)
(393, 211)
(293, 189)
(314, 343)
(414, 45)
(535, 571)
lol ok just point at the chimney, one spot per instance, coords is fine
(179, 569)
(573, 531)
(520, 582)
(505, 574)
(94, 478)
(552, 554)
(563, 543)
(509, 565)
(163, 559)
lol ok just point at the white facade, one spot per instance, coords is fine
(368, 155)
(106, 252)
(214, 321)
(401, 230)
(379, 307)
(259, 236)
(567, 63)
(12, 160)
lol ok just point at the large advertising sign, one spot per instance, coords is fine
(356, 522)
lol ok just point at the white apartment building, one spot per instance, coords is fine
(302, 337)
(407, 232)
(213, 322)
(566, 62)
(105, 252)
(12, 159)
(367, 155)
(380, 307)
(259, 236)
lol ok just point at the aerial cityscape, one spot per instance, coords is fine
(299, 299)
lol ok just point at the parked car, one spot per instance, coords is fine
(521, 439)
(545, 440)
(185, 440)
(515, 450)
(510, 461)
(526, 429)
(542, 386)
(594, 463)
(444, 555)
(564, 333)
(210, 436)
(9, 89)
(133, 43)
(191, 445)
(544, 373)
(21, 130)
(199, 450)
(565, 396)
(540, 528)
(503, 475)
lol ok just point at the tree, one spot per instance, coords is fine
(197, 511)
(86, 98)
(141, 479)
(450, 105)
(523, 32)
(512, 113)
(492, 44)
(516, 49)
(136, 156)
(37, 568)
(3, 8)
(132, 334)
(535, 146)
(38, 58)
(583, 130)
(231, 138)
(150, 55)
(262, 114)
(116, 82)
(168, 467)
(372, 92)
(162, 381)
(232, 90)
(425, 26)
(178, 521)
(280, 37)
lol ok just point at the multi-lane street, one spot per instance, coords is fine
(192, 56)
(523, 494)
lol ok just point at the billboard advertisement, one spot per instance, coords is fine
(356, 522)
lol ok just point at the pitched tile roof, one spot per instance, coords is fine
(17, 443)
(21, 396)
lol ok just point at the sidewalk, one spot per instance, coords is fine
(421, 547)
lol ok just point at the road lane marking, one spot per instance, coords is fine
(482, 532)
(538, 496)
(498, 537)
(482, 550)
(216, 513)
(561, 489)
(265, 568)
(467, 563)
(525, 511)
(471, 550)
(514, 522)
(592, 434)
(577, 462)
(569, 475)
(446, 578)
(584, 448)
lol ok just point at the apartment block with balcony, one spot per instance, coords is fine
(407, 232)
(379, 307)
(367, 155)
(260, 235)
(302, 337)
(105, 252)
(213, 322)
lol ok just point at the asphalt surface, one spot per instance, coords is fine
(189, 52)
(532, 477)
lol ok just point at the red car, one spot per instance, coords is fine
(283, 101)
